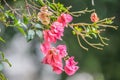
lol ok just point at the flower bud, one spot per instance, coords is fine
(94, 17)
(44, 15)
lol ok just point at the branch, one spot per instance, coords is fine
(81, 44)
(78, 13)
(94, 45)
(27, 7)
(13, 10)
(109, 26)
(101, 39)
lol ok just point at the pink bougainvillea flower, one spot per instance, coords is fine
(57, 26)
(45, 47)
(62, 50)
(57, 29)
(94, 17)
(55, 32)
(58, 67)
(70, 67)
(52, 57)
(49, 36)
(65, 18)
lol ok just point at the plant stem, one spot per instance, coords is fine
(13, 10)
(81, 44)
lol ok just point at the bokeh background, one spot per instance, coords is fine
(94, 64)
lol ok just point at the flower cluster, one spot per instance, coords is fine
(54, 56)
(57, 28)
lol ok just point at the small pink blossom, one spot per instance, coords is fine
(65, 18)
(62, 50)
(49, 36)
(70, 67)
(57, 29)
(68, 18)
(57, 26)
(55, 33)
(52, 57)
(45, 47)
(94, 17)
(54, 60)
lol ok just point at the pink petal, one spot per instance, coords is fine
(45, 46)
(62, 50)
(70, 67)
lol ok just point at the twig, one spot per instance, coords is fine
(80, 24)
(111, 18)
(13, 10)
(27, 7)
(33, 7)
(8, 5)
(101, 39)
(90, 44)
(83, 11)
(81, 44)
(32, 2)
(110, 26)
(93, 45)
(78, 13)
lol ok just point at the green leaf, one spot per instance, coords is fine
(24, 25)
(89, 36)
(2, 55)
(61, 7)
(53, 6)
(1, 7)
(94, 30)
(9, 14)
(17, 22)
(25, 20)
(41, 2)
(94, 35)
(30, 35)
(88, 30)
(1, 39)
(3, 59)
(7, 61)
(73, 32)
(2, 76)
(21, 30)
(38, 26)
(1, 66)
(39, 33)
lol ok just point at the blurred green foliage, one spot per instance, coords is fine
(106, 62)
